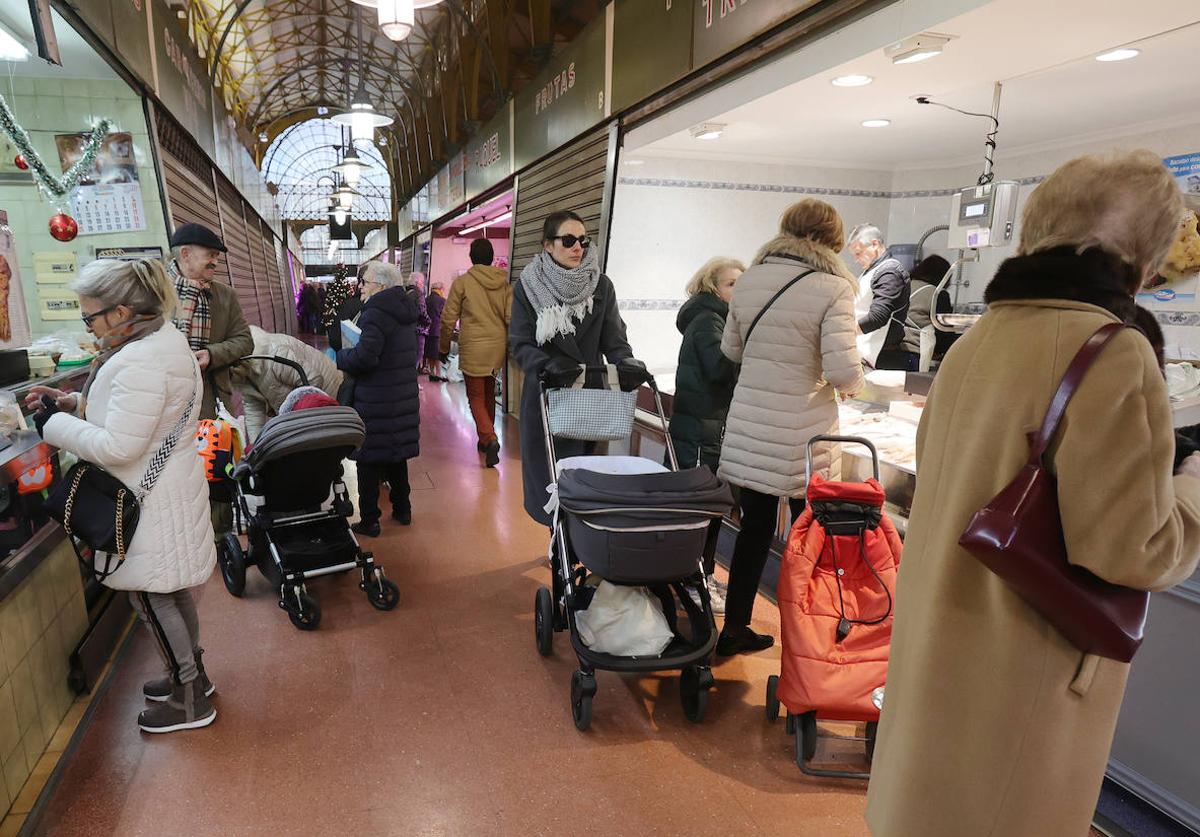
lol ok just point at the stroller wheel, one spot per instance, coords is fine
(302, 609)
(383, 593)
(772, 698)
(872, 733)
(789, 724)
(583, 687)
(233, 563)
(694, 684)
(806, 737)
(543, 621)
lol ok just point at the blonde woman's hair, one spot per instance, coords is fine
(1126, 204)
(815, 220)
(141, 285)
(707, 277)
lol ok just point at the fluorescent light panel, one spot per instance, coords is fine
(10, 48)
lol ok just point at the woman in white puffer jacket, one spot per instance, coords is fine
(144, 387)
(802, 350)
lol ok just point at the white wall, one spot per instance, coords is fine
(671, 215)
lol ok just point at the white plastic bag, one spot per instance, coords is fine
(452, 371)
(625, 621)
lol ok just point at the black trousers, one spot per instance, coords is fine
(898, 359)
(750, 553)
(370, 475)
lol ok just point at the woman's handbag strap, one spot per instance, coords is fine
(159, 461)
(770, 302)
(1070, 383)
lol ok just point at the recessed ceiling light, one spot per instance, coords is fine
(854, 80)
(876, 123)
(708, 131)
(917, 48)
(10, 48)
(1123, 54)
(632, 162)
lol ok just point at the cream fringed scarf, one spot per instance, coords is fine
(561, 297)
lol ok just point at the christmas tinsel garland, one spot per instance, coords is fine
(55, 188)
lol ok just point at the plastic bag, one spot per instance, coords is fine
(625, 621)
(453, 372)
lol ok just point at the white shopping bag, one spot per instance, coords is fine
(625, 621)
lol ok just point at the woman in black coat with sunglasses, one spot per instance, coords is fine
(564, 316)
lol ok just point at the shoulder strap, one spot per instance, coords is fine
(770, 302)
(1070, 383)
(159, 461)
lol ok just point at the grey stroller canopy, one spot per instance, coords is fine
(318, 428)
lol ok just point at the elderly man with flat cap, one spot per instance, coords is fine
(211, 318)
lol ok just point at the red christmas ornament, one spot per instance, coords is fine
(21, 162)
(63, 227)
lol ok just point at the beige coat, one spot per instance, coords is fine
(993, 724)
(802, 349)
(265, 384)
(482, 300)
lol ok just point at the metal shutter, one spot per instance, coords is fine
(191, 197)
(408, 252)
(576, 178)
(241, 271)
(579, 178)
(258, 261)
(281, 296)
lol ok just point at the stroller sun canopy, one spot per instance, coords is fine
(320, 428)
(695, 493)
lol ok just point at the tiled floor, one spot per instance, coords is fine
(438, 718)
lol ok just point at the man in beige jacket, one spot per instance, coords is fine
(481, 302)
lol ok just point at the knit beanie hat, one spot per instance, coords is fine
(306, 398)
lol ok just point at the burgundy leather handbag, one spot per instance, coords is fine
(1018, 536)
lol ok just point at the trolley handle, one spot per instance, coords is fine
(849, 440)
(640, 375)
(282, 360)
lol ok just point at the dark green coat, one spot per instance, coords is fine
(704, 382)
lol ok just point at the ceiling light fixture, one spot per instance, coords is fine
(504, 216)
(322, 110)
(352, 167)
(853, 80)
(345, 197)
(262, 136)
(397, 18)
(10, 48)
(917, 48)
(876, 123)
(1122, 54)
(417, 4)
(708, 131)
(339, 216)
(362, 117)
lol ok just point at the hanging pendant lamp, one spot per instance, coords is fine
(397, 18)
(362, 117)
(351, 167)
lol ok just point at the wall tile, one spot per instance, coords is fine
(16, 771)
(11, 638)
(26, 603)
(75, 620)
(10, 728)
(35, 742)
(25, 697)
(45, 598)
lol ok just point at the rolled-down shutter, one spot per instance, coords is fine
(281, 296)
(576, 178)
(191, 197)
(408, 251)
(258, 261)
(241, 271)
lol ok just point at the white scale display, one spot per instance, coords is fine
(984, 216)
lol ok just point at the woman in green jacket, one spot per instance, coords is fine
(705, 378)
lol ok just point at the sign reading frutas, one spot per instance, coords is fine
(553, 89)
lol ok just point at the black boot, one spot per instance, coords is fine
(742, 641)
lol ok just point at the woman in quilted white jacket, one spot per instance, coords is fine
(144, 392)
(801, 351)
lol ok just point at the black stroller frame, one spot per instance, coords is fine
(555, 607)
(294, 545)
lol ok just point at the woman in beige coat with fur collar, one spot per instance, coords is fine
(993, 724)
(802, 349)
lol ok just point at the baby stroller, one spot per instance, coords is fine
(632, 522)
(836, 594)
(294, 508)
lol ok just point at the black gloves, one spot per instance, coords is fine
(632, 373)
(560, 372)
(48, 408)
(444, 357)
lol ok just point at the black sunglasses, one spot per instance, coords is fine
(570, 241)
(87, 318)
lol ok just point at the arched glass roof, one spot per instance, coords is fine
(299, 162)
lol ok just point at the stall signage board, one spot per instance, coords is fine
(565, 100)
(129, 254)
(721, 26)
(131, 19)
(488, 158)
(98, 15)
(652, 47)
(54, 268)
(457, 183)
(182, 82)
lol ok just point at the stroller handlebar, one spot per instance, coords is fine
(282, 360)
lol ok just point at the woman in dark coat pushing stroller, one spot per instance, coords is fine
(384, 370)
(564, 316)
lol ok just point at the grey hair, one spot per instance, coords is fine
(141, 285)
(386, 275)
(865, 234)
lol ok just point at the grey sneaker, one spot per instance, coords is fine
(186, 708)
(159, 690)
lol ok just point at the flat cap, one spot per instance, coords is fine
(198, 235)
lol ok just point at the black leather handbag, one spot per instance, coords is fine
(100, 512)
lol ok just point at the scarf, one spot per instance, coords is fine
(559, 296)
(194, 316)
(1093, 277)
(127, 332)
